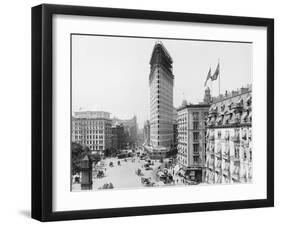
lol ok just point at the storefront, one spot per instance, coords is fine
(194, 174)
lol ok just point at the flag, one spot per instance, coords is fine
(208, 76)
(217, 72)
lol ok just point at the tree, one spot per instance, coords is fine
(78, 152)
(109, 152)
(95, 158)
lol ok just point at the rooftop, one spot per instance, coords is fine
(232, 94)
(190, 106)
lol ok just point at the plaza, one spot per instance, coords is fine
(124, 175)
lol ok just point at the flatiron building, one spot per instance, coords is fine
(161, 83)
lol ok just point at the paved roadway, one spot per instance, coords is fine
(124, 176)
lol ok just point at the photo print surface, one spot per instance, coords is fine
(154, 112)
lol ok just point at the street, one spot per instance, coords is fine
(124, 176)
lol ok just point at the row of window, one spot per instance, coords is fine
(88, 132)
(77, 122)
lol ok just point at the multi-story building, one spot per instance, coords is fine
(229, 138)
(140, 138)
(93, 129)
(118, 137)
(130, 128)
(161, 82)
(174, 145)
(146, 133)
(191, 139)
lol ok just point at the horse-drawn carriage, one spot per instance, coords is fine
(147, 182)
(139, 172)
(100, 174)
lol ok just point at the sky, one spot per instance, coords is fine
(111, 73)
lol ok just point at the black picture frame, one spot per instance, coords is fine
(42, 107)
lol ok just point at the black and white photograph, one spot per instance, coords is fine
(157, 112)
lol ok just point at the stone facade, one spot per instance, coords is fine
(93, 129)
(229, 138)
(191, 139)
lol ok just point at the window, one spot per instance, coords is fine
(195, 115)
(245, 155)
(236, 152)
(195, 136)
(206, 115)
(195, 159)
(250, 152)
(195, 125)
(219, 134)
(195, 148)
